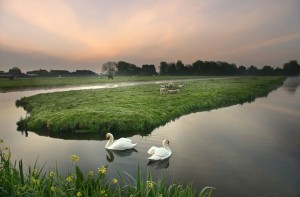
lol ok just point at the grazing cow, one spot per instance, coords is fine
(110, 77)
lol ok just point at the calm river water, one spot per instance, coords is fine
(243, 150)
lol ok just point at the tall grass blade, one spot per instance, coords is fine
(204, 193)
(21, 172)
(79, 177)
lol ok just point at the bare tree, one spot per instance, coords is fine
(109, 67)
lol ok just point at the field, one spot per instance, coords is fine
(137, 109)
(53, 82)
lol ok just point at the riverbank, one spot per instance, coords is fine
(134, 110)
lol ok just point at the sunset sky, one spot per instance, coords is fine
(84, 34)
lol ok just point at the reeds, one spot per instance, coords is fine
(14, 181)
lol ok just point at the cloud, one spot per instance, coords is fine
(147, 30)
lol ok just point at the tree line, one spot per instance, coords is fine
(16, 72)
(202, 68)
(216, 68)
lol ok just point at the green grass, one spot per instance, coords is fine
(134, 110)
(52, 82)
(15, 180)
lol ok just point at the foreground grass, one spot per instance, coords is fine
(138, 109)
(52, 82)
(14, 181)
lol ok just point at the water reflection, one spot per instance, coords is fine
(291, 84)
(24, 132)
(120, 153)
(160, 164)
(242, 150)
(65, 135)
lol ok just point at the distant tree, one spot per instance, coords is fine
(109, 67)
(172, 68)
(226, 69)
(164, 68)
(122, 68)
(278, 71)
(291, 68)
(267, 70)
(242, 70)
(180, 68)
(15, 71)
(125, 68)
(148, 70)
(188, 69)
(252, 70)
(197, 66)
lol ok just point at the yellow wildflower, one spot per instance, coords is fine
(34, 181)
(51, 174)
(91, 173)
(34, 172)
(69, 178)
(79, 194)
(52, 188)
(115, 181)
(102, 192)
(102, 170)
(5, 148)
(74, 158)
(150, 184)
(159, 195)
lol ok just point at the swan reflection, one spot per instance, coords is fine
(120, 153)
(159, 164)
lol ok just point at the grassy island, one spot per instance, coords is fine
(137, 109)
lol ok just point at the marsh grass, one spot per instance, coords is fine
(135, 110)
(15, 181)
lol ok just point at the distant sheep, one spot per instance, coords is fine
(181, 86)
(171, 85)
(163, 90)
(173, 91)
(164, 86)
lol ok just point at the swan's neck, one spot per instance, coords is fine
(110, 141)
(166, 146)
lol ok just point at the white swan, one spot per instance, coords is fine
(120, 144)
(160, 153)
